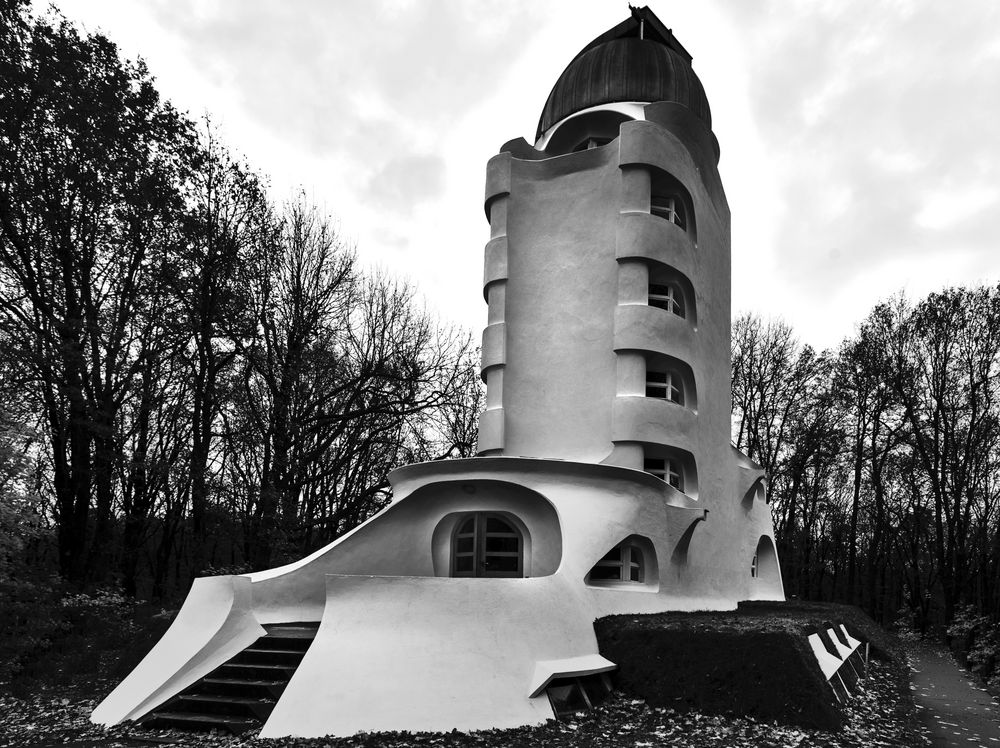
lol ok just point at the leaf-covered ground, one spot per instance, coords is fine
(878, 715)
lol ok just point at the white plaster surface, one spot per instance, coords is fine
(215, 623)
(425, 653)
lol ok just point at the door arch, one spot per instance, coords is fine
(765, 571)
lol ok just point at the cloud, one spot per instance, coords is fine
(879, 115)
(320, 71)
(406, 181)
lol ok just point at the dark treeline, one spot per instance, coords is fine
(191, 377)
(884, 455)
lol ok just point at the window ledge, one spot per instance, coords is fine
(619, 586)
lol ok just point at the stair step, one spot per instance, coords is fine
(244, 682)
(235, 725)
(240, 706)
(233, 699)
(292, 631)
(225, 686)
(262, 650)
(248, 684)
(263, 670)
(290, 658)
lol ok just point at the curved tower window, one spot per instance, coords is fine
(580, 132)
(588, 143)
(670, 207)
(487, 545)
(670, 200)
(666, 469)
(623, 563)
(666, 385)
(667, 296)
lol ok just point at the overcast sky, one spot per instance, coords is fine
(860, 146)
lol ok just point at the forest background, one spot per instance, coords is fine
(195, 379)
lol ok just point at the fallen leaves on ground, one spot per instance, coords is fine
(876, 716)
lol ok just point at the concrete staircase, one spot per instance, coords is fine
(240, 694)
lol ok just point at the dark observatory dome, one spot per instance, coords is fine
(638, 60)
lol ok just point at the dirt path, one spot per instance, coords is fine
(953, 706)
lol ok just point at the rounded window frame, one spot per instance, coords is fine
(671, 201)
(480, 534)
(668, 296)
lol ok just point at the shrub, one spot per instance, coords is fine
(31, 617)
(983, 655)
(965, 628)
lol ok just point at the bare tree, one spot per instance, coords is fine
(89, 160)
(946, 368)
(228, 223)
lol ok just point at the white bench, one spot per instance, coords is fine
(855, 645)
(828, 664)
(843, 650)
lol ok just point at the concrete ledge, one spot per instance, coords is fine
(649, 237)
(650, 419)
(529, 470)
(490, 430)
(546, 670)
(494, 342)
(495, 264)
(497, 179)
(651, 144)
(639, 327)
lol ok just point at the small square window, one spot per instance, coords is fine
(665, 385)
(667, 470)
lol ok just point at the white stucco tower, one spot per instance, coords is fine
(607, 276)
(606, 481)
(607, 271)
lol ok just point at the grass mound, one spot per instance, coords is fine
(754, 662)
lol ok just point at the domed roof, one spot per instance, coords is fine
(638, 60)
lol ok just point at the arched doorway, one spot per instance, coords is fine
(486, 544)
(765, 572)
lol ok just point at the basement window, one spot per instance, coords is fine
(576, 694)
